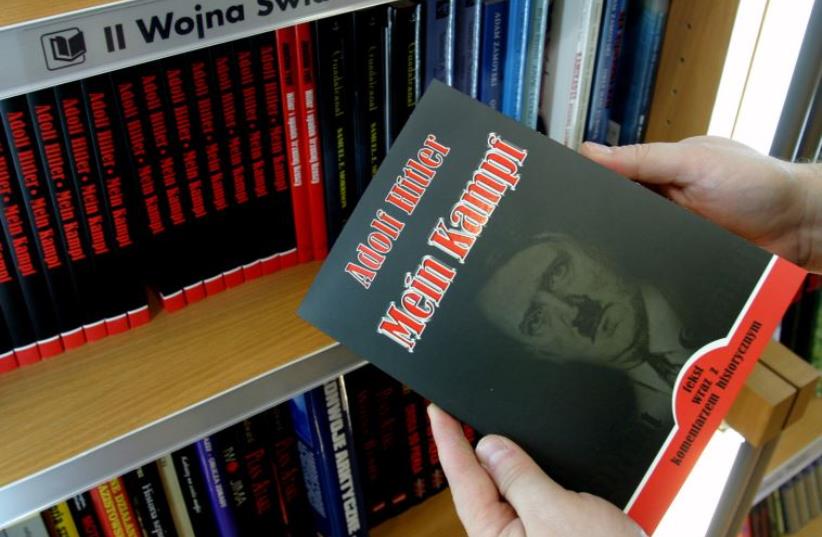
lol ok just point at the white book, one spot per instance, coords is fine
(569, 65)
(174, 495)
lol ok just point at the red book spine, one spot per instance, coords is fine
(310, 138)
(103, 501)
(287, 55)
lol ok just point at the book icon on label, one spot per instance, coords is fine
(63, 48)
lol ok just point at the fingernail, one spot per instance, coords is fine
(598, 148)
(490, 449)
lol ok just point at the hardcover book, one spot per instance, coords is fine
(535, 294)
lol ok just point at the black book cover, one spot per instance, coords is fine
(85, 518)
(69, 222)
(404, 63)
(118, 184)
(370, 94)
(360, 389)
(193, 486)
(116, 288)
(502, 274)
(268, 80)
(334, 50)
(31, 175)
(285, 462)
(237, 484)
(145, 489)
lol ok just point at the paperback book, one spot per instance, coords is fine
(535, 294)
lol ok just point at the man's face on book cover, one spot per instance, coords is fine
(565, 301)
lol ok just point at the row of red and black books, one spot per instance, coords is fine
(332, 462)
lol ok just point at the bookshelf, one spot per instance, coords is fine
(101, 410)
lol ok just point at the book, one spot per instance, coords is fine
(32, 526)
(148, 499)
(59, 521)
(235, 478)
(440, 19)
(403, 56)
(114, 509)
(192, 481)
(84, 515)
(606, 69)
(174, 494)
(516, 48)
(8, 360)
(323, 429)
(492, 52)
(256, 457)
(534, 59)
(467, 46)
(216, 487)
(524, 282)
(414, 414)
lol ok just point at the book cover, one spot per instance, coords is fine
(323, 429)
(609, 54)
(174, 494)
(32, 526)
(148, 499)
(121, 196)
(502, 274)
(216, 487)
(84, 515)
(59, 521)
(440, 21)
(513, 88)
(467, 46)
(311, 157)
(403, 58)
(534, 58)
(336, 80)
(370, 85)
(287, 56)
(492, 52)
(193, 487)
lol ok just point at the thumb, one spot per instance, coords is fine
(655, 163)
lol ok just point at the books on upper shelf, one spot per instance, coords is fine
(499, 274)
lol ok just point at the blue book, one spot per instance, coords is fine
(492, 52)
(515, 49)
(439, 44)
(467, 49)
(323, 430)
(216, 488)
(607, 65)
(534, 54)
(642, 50)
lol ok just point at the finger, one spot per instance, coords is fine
(655, 163)
(475, 495)
(520, 481)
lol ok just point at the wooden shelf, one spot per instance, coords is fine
(17, 11)
(435, 517)
(96, 412)
(811, 529)
(798, 435)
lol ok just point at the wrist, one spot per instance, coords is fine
(807, 179)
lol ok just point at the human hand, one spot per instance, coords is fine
(499, 491)
(772, 203)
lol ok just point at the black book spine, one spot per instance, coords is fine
(21, 237)
(334, 43)
(370, 94)
(69, 221)
(404, 48)
(293, 500)
(393, 444)
(436, 477)
(414, 420)
(193, 487)
(85, 518)
(149, 500)
(8, 361)
(238, 487)
(256, 455)
(122, 211)
(271, 112)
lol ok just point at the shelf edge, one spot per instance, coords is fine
(145, 444)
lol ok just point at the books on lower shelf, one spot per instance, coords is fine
(334, 461)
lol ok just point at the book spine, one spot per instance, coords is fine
(323, 432)
(293, 500)
(414, 420)
(515, 50)
(59, 521)
(174, 494)
(149, 501)
(404, 63)
(216, 487)
(534, 61)
(439, 44)
(492, 52)
(393, 443)
(32, 526)
(193, 487)
(467, 48)
(267, 67)
(583, 73)
(235, 477)
(104, 505)
(287, 55)
(8, 360)
(255, 454)
(436, 477)
(370, 94)
(310, 138)
(605, 72)
(68, 221)
(121, 197)
(84, 515)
